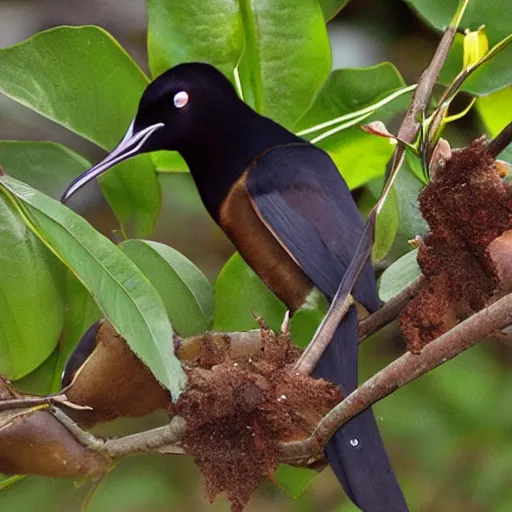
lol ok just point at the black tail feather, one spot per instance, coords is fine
(356, 453)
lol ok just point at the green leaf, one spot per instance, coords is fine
(293, 481)
(331, 8)
(307, 318)
(133, 192)
(31, 302)
(407, 187)
(168, 161)
(358, 155)
(194, 31)
(238, 293)
(401, 273)
(120, 290)
(494, 111)
(386, 227)
(402, 205)
(287, 56)
(352, 89)
(47, 166)
(40, 381)
(186, 293)
(81, 313)
(81, 78)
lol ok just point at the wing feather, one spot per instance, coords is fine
(300, 195)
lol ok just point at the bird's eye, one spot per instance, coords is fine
(180, 99)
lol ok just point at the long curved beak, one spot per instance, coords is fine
(129, 146)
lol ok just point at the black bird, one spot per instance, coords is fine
(289, 213)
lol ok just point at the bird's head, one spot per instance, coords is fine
(181, 106)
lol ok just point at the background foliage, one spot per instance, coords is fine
(447, 433)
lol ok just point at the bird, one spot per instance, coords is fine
(283, 203)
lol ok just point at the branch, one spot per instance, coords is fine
(501, 141)
(407, 132)
(387, 313)
(166, 439)
(402, 371)
(151, 440)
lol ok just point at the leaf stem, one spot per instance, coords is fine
(370, 109)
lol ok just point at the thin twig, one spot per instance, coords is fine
(402, 371)
(389, 311)
(501, 141)
(21, 403)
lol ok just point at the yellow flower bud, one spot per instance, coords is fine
(476, 46)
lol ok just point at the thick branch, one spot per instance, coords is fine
(151, 440)
(408, 367)
(402, 371)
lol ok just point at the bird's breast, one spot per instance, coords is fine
(260, 248)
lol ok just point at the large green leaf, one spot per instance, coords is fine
(47, 166)
(120, 290)
(194, 31)
(386, 227)
(31, 301)
(80, 313)
(287, 56)
(358, 155)
(495, 111)
(41, 380)
(133, 192)
(81, 78)
(186, 293)
(239, 295)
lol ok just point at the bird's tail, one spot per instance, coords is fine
(356, 453)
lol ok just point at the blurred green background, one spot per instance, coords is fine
(449, 434)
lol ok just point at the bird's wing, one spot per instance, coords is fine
(299, 194)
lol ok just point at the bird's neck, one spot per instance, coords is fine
(219, 156)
